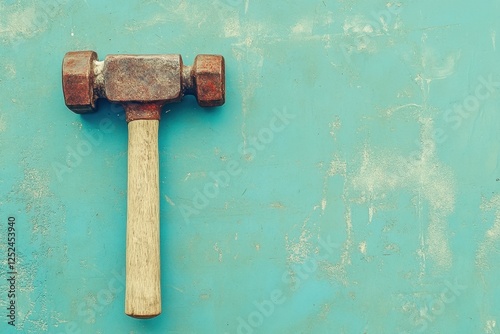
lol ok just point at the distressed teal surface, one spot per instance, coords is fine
(369, 202)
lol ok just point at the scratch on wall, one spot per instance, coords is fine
(3, 123)
(494, 39)
(195, 175)
(169, 200)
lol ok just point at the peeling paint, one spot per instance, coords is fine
(299, 250)
(337, 167)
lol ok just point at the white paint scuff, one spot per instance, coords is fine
(299, 250)
(371, 212)
(303, 27)
(362, 247)
(19, 23)
(10, 69)
(337, 167)
(490, 326)
(218, 250)
(492, 235)
(431, 183)
(232, 27)
(323, 204)
(335, 127)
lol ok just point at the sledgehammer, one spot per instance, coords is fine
(143, 84)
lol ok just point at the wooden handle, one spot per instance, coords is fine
(142, 295)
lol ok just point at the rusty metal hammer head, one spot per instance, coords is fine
(141, 83)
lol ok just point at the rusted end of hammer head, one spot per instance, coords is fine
(209, 80)
(78, 81)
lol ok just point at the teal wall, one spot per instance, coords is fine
(357, 158)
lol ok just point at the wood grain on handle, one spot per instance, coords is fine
(142, 295)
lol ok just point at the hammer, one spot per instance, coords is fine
(142, 84)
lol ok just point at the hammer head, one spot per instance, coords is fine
(78, 81)
(140, 79)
